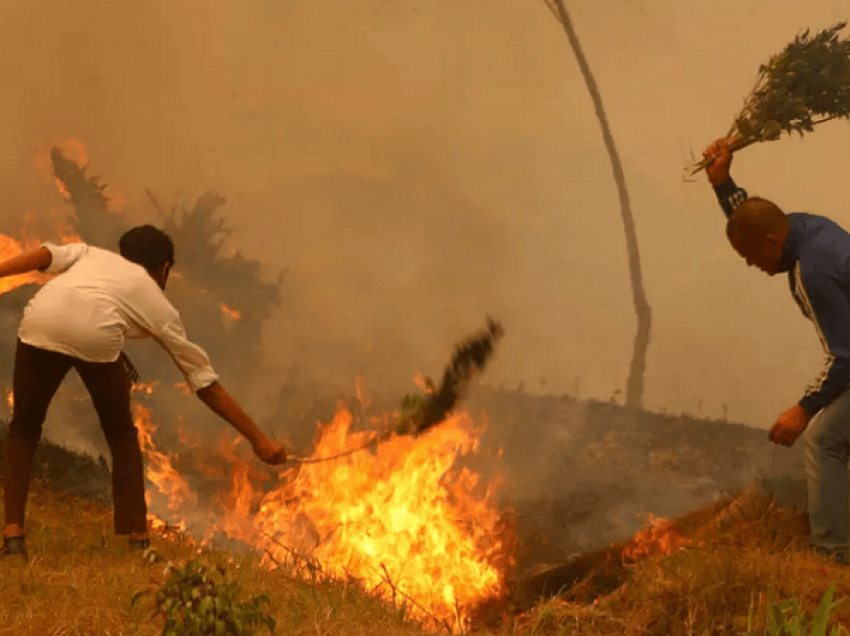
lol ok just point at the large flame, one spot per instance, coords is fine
(160, 469)
(402, 518)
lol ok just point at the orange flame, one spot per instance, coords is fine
(402, 519)
(9, 248)
(160, 470)
(660, 537)
(73, 149)
(230, 314)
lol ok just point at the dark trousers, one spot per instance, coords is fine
(37, 376)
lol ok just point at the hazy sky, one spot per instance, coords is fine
(419, 164)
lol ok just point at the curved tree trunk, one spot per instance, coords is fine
(634, 386)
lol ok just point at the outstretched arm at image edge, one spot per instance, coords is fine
(37, 259)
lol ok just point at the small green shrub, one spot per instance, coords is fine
(788, 619)
(194, 604)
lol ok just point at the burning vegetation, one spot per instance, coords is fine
(406, 522)
(403, 516)
(743, 568)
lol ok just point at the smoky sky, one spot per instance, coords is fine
(417, 165)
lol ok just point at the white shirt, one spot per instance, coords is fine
(100, 299)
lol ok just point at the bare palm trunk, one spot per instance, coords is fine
(634, 386)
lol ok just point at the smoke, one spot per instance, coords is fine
(410, 168)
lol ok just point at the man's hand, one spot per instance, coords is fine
(270, 451)
(720, 160)
(222, 404)
(789, 426)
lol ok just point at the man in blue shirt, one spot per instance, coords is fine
(815, 254)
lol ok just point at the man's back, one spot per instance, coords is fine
(98, 299)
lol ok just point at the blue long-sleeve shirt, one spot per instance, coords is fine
(816, 256)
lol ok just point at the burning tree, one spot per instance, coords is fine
(223, 299)
(401, 518)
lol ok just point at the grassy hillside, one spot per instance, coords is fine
(81, 580)
(710, 572)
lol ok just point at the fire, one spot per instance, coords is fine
(241, 497)
(402, 518)
(183, 387)
(9, 248)
(230, 314)
(660, 537)
(70, 237)
(360, 391)
(422, 383)
(145, 387)
(160, 470)
(74, 149)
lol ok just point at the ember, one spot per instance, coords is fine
(230, 314)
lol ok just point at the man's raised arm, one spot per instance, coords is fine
(728, 194)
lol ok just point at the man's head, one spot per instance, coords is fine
(757, 230)
(151, 248)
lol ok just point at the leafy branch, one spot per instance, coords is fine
(193, 602)
(804, 85)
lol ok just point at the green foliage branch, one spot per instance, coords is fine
(788, 618)
(806, 84)
(194, 603)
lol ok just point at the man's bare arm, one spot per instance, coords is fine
(216, 397)
(37, 259)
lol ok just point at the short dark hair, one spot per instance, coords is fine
(148, 246)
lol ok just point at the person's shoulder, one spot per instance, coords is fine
(93, 251)
(825, 249)
(817, 229)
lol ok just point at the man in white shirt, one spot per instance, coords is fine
(80, 320)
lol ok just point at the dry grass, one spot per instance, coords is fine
(708, 588)
(81, 579)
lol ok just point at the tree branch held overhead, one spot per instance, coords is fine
(210, 282)
(802, 86)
